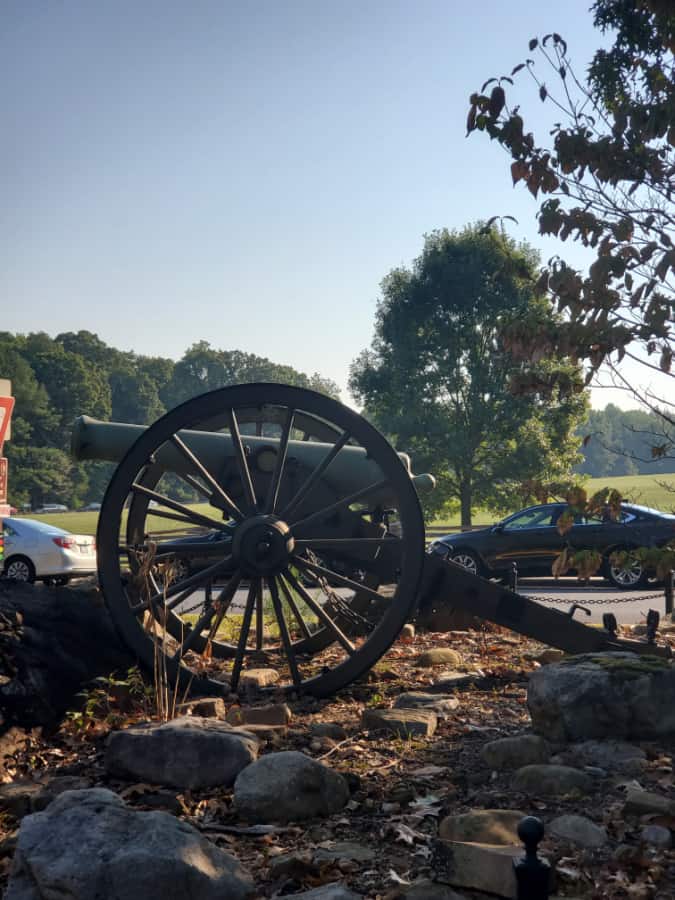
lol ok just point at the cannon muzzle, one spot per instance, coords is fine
(350, 471)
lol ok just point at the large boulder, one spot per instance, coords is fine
(288, 787)
(88, 844)
(190, 752)
(603, 695)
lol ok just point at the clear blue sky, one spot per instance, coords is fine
(245, 173)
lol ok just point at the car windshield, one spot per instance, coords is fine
(649, 510)
(34, 525)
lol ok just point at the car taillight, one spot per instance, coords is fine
(68, 543)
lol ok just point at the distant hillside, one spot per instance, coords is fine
(620, 442)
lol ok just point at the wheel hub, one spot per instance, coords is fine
(263, 545)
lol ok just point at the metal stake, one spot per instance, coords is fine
(532, 874)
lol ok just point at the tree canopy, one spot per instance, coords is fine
(56, 379)
(440, 380)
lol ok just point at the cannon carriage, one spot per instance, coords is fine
(301, 542)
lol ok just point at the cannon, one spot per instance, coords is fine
(264, 525)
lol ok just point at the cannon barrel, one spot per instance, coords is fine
(350, 471)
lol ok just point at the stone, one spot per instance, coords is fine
(517, 751)
(482, 826)
(451, 681)
(407, 633)
(343, 850)
(23, 797)
(551, 781)
(578, 830)
(190, 752)
(252, 679)
(642, 803)
(545, 657)
(205, 707)
(657, 836)
(288, 787)
(267, 734)
(439, 656)
(403, 722)
(481, 867)
(272, 714)
(328, 729)
(609, 755)
(438, 703)
(88, 844)
(334, 891)
(603, 695)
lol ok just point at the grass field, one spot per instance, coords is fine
(645, 489)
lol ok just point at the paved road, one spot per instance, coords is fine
(631, 609)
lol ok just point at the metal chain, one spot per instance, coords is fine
(604, 601)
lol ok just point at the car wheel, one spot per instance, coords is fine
(20, 568)
(467, 560)
(627, 576)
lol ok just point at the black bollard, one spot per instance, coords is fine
(513, 577)
(532, 874)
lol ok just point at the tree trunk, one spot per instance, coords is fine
(52, 641)
(465, 494)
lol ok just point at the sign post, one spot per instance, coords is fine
(6, 407)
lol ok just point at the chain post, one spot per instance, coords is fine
(532, 874)
(513, 577)
(668, 591)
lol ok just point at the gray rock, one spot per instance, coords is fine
(517, 751)
(190, 752)
(407, 632)
(451, 681)
(251, 679)
(88, 844)
(288, 787)
(643, 803)
(271, 714)
(481, 867)
(403, 722)
(23, 797)
(439, 656)
(610, 755)
(551, 781)
(335, 891)
(328, 729)
(657, 836)
(206, 707)
(614, 695)
(438, 703)
(579, 830)
(483, 826)
(344, 850)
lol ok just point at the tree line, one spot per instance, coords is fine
(625, 442)
(54, 380)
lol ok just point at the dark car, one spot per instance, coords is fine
(531, 539)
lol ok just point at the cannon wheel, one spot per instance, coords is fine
(271, 546)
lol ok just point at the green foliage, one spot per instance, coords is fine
(605, 178)
(623, 442)
(439, 376)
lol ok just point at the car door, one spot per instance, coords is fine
(531, 540)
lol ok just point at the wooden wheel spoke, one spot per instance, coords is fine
(182, 447)
(242, 464)
(290, 599)
(285, 636)
(313, 478)
(327, 511)
(320, 613)
(259, 618)
(335, 576)
(273, 494)
(216, 609)
(188, 515)
(186, 585)
(253, 591)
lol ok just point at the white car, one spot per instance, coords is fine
(37, 550)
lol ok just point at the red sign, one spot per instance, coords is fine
(6, 407)
(3, 480)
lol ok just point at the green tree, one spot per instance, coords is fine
(605, 176)
(439, 378)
